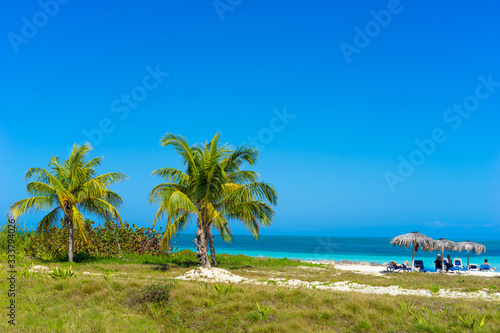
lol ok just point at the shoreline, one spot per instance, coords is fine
(368, 266)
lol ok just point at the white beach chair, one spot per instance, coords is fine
(458, 267)
(473, 267)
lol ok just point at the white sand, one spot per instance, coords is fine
(211, 274)
(221, 275)
(380, 270)
(40, 269)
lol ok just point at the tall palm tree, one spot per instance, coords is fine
(214, 190)
(68, 189)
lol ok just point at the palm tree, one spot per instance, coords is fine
(68, 189)
(214, 190)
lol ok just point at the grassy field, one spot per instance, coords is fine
(137, 294)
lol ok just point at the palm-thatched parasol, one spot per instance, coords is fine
(471, 246)
(442, 244)
(413, 239)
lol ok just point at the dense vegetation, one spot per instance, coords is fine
(102, 240)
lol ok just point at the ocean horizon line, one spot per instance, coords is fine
(353, 237)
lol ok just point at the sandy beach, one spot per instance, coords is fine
(381, 269)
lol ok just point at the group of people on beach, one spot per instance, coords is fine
(448, 263)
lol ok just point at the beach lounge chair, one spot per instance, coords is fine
(396, 269)
(473, 268)
(420, 265)
(485, 268)
(458, 266)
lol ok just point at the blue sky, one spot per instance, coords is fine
(334, 94)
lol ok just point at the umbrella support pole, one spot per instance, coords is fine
(442, 260)
(467, 259)
(413, 259)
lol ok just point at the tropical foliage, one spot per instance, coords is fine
(68, 190)
(214, 190)
(103, 241)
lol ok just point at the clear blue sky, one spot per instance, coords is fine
(361, 92)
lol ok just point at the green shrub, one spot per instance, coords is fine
(156, 293)
(61, 273)
(106, 240)
(263, 310)
(223, 289)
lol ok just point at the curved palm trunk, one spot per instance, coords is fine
(201, 248)
(210, 239)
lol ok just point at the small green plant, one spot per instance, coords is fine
(405, 306)
(421, 320)
(223, 289)
(26, 273)
(434, 289)
(263, 310)
(272, 282)
(445, 311)
(208, 303)
(284, 289)
(469, 322)
(427, 310)
(61, 273)
(107, 276)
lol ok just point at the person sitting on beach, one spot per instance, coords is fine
(448, 263)
(439, 262)
(486, 263)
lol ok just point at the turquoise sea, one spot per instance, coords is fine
(366, 249)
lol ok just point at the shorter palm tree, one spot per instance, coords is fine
(68, 189)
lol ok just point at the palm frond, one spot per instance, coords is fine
(171, 175)
(41, 189)
(32, 204)
(78, 222)
(49, 220)
(182, 147)
(44, 176)
(160, 192)
(243, 177)
(240, 155)
(254, 191)
(108, 179)
(173, 227)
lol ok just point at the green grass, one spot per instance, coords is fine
(142, 297)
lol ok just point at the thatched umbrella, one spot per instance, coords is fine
(413, 239)
(442, 244)
(471, 246)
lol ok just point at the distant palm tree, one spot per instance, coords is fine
(68, 189)
(214, 190)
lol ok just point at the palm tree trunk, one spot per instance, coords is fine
(67, 219)
(201, 247)
(210, 239)
(71, 242)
